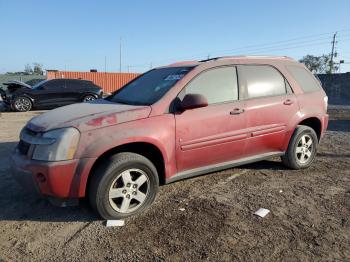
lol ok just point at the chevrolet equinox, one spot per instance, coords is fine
(171, 123)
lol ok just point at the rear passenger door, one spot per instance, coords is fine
(214, 134)
(73, 91)
(270, 106)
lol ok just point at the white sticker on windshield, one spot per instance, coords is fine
(174, 77)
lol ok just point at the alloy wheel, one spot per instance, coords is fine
(89, 98)
(22, 104)
(129, 190)
(304, 149)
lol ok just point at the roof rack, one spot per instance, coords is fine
(210, 59)
(244, 56)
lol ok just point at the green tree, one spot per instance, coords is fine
(319, 64)
(28, 69)
(38, 69)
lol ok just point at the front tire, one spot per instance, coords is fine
(123, 185)
(302, 148)
(22, 104)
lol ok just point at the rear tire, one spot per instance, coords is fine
(89, 98)
(123, 185)
(302, 148)
(22, 104)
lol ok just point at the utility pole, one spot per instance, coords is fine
(332, 54)
(104, 80)
(120, 55)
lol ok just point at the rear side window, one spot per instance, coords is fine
(71, 83)
(261, 81)
(304, 78)
(217, 85)
(53, 84)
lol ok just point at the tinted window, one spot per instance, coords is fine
(217, 85)
(150, 87)
(261, 81)
(57, 83)
(39, 84)
(304, 78)
(71, 83)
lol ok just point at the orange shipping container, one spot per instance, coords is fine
(108, 81)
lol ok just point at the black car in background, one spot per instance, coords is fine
(49, 94)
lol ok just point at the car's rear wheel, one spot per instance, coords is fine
(89, 98)
(22, 104)
(302, 148)
(123, 185)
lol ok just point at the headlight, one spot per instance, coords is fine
(64, 144)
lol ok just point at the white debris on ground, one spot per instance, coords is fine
(181, 209)
(262, 212)
(115, 223)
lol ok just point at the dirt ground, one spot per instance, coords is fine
(309, 219)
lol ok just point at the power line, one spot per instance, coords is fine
(314, 37)
(287, 44)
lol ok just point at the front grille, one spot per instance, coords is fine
(23, 147)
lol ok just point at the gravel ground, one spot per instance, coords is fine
(309, 219)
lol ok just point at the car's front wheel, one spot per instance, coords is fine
(302, 148)
(22, 104)
(89, 98)
(123, 185)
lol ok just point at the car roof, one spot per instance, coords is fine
(70, 79)
(236, 59)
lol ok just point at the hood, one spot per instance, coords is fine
(88, 116)
(13, 85)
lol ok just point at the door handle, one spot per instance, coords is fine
(237, 111)
(288, 102)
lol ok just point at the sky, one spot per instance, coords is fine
(81, 35)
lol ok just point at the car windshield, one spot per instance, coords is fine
(39, 84)
(149, 87)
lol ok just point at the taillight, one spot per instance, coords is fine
(325, 99)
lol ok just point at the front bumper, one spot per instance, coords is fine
(54, 179)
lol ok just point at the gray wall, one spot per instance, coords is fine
(337, 87)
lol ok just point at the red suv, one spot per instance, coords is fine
(171, 123)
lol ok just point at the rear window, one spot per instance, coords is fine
(261, 81)
(305, 79)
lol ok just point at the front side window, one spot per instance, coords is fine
(40, 84)
(149, 87)
(261, 81)
(217, 85)
(305, 79)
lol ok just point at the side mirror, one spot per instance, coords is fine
(192, 101)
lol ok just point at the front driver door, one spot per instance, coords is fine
(215, 134)
(50, 93)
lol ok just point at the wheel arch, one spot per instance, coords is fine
(146, 149)
(15, 96)
(314, 123)
(24, 95)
